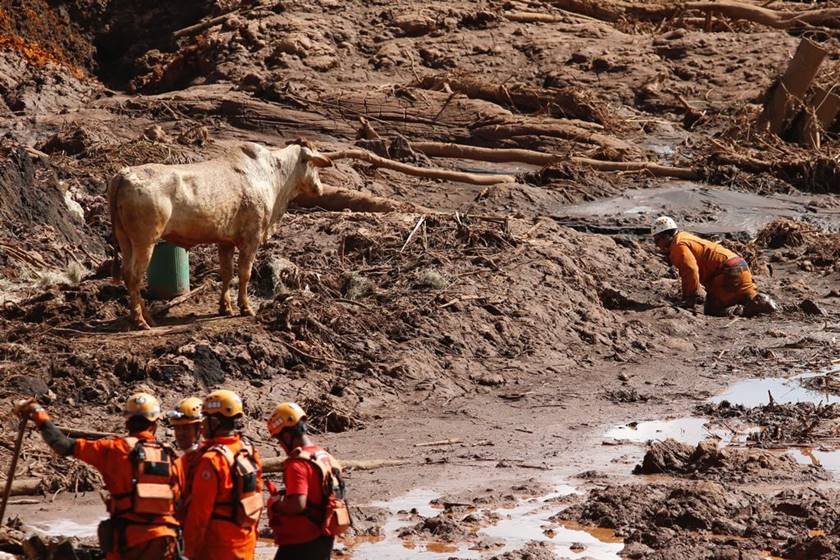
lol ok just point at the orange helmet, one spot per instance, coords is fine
(142, 404)
(188, 411)
(286, 415)
(224, 402)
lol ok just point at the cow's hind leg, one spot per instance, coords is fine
(247, 254)
(226, 266)
(133, 273)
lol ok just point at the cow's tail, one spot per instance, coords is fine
(116, 225)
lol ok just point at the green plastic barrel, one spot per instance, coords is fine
(169, 271)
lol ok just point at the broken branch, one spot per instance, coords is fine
(508, 155)
(430, 173)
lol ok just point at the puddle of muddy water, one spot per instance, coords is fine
(829, 460)
(690, 430)
(734, 212)
(756, 392)
(66, 528)
(527, 521)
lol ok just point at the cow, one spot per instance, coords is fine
(232, 201)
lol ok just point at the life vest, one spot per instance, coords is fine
(246, 503)
(332, 515)
(151, 497)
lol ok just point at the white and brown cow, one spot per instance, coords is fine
(232, 201)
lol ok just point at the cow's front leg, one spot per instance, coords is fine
(134, 273)
(226, 265)
(247, 254)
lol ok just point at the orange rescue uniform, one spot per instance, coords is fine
(111, 457)
(187, 465)
(724, 274)
(207, 535)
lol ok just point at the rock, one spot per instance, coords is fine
(489, 379)
(277, 275)
(28, 385)
(155, 133)
(414, 24)
(74, 207)
(356, 286)
(810, 307)
(294, 43)
(431, 279)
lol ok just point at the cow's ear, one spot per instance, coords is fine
(316, 159)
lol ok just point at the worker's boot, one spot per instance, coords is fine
(762, 304)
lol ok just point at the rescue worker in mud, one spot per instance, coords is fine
(725, 276)
(306, 518)
(186, 421)
(140, 474)
(225, 502)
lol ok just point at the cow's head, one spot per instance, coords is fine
(309, 160)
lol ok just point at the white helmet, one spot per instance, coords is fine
(662, 224)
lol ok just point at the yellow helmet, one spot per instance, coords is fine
(224, 402)
(188, 411)
(142, 404)
(286, 415)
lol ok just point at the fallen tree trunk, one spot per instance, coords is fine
(565, 102)
(566, 130)
(410, 112)
(275, 464)
(510, 155)
(791, 87)
(778, 19)
(26, 487)
(614, 11)
(430, 173)
(335, 200)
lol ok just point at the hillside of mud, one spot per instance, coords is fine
(539, 296)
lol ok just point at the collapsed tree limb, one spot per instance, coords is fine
(430, 173)
(615, 11)
(778, 19)
(568, 130)
(510, 155)
(566, 102)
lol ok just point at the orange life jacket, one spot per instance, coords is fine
(151, 497)
(332, 515)
(246, 503)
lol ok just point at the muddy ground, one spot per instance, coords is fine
(530, 326)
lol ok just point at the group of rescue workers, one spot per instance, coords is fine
(206, 503)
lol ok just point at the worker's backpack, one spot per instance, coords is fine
(151, 478)
(246, 502)
(332, 515)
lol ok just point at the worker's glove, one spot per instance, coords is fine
(30, 409)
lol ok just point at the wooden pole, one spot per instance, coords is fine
(10, 479)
